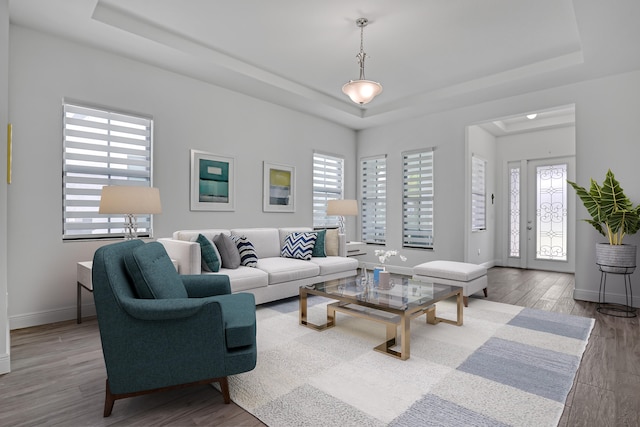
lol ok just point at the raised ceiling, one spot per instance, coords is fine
(429, 55)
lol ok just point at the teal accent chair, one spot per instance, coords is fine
(183, 330)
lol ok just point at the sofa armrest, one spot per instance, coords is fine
(342, 244)
(187, 254)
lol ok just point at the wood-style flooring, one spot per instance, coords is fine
(58, 373)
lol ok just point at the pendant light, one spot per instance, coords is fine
(362, 91)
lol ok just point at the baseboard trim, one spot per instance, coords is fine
(5, 363)
(50, 316)
(592, 296)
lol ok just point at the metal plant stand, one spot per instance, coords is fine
(615, 309)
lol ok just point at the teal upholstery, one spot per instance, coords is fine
(151, 344)
(153, 273)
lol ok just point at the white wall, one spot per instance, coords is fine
(187, 114)
(4, 119)
(480, 246)
(607, 129)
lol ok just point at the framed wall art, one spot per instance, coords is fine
(278, 191)
(212, 182)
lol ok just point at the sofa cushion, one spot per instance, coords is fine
(210, 256)
(318, 248)
(192, 235)
(247, 252)
(335, 264)
(228, 251)
(153, 274)
(299, 245)
(332, 242)
(460, 271)
(264, 240)
(287, 269)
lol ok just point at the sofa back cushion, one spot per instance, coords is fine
(265, 241)
(192, 235)
(153, 274)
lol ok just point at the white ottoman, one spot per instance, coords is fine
(472, 277)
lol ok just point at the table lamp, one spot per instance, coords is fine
(342, 208)
(130, 201)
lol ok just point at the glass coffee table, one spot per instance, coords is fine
(395, 307)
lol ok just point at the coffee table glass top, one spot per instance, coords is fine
(405, 293)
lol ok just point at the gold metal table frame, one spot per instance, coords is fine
(365, 308)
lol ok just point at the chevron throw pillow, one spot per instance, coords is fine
(299, 245)
(248, 255)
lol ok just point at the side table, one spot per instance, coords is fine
(84, 281)
(615, 309)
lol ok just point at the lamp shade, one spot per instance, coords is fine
(342, 207)
(362, 91)
(129, 200)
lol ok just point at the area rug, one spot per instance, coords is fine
(506, 366)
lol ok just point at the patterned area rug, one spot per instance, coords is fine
(506, 365)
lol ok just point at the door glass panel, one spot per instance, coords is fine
(514, 212)
(551, 212)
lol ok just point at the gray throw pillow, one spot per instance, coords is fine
(228, 251)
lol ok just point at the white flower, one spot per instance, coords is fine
(383, 255)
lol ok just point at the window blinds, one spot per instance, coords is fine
(478, 194)
(374, 199)
(417, 199)
(102, 147)
(328, 176)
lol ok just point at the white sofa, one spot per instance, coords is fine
(275, 277)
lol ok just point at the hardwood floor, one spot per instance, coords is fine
(58, 373)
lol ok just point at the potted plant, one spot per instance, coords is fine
(614, 216)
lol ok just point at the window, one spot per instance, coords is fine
(328, 176)
(374, 199)
(514, 211)
(478, 194)
(417, 199)
(102, 147)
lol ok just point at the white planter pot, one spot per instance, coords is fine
(618, 259)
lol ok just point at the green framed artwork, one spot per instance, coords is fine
(278, 188)
(212, 182)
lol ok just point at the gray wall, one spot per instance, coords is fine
(187, 114)
(607, 129)
(4, 119)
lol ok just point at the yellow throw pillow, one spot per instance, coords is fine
(331, 242)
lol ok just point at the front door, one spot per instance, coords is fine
(550, 215)
(541, 215)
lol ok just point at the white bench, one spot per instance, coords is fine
(472, 277)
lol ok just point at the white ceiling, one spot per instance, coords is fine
(429, 55)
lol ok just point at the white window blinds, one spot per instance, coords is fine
(102, 147)
(417, 199)
(478, 194)
(374, 199)
(328, 176)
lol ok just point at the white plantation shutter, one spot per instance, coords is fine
(102, 147)
(328, 177)
(478, 194)
(417, 199)
(374, 199)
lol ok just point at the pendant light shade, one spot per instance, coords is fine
(362, 91)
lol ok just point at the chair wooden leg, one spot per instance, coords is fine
(485, 292)
(108, 401)
(224, 389)
(466, 301)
